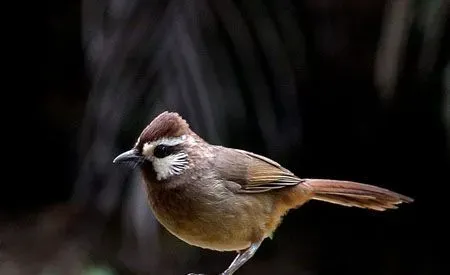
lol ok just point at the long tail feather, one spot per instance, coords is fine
(353, 194)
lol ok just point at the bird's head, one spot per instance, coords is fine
(164, 144)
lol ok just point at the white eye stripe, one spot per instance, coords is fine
(149, 146)
(171, 141)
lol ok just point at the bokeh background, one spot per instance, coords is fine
(344, 89)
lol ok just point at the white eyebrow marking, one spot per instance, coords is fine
(138, 140)
(171, 141)
(148, 147)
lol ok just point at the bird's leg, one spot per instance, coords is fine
(241, 258)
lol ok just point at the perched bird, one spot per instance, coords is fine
(228, 199)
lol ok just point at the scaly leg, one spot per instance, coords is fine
(240, 259)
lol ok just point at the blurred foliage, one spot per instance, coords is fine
(98, 270)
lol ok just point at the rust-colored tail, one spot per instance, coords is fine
(355, 194)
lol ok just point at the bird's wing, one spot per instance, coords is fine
(254, 173)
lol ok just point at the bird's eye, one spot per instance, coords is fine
(162, 151)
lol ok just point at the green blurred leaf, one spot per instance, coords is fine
(98, 270)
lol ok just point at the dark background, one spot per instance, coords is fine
(355, 90)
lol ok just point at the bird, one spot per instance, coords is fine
(228, 199)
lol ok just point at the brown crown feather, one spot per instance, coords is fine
(167, 124)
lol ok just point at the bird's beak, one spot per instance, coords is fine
(132, 157)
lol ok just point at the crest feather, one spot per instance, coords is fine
(165, 125)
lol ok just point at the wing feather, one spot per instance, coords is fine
(254, 173)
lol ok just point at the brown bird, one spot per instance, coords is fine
(228, 199)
